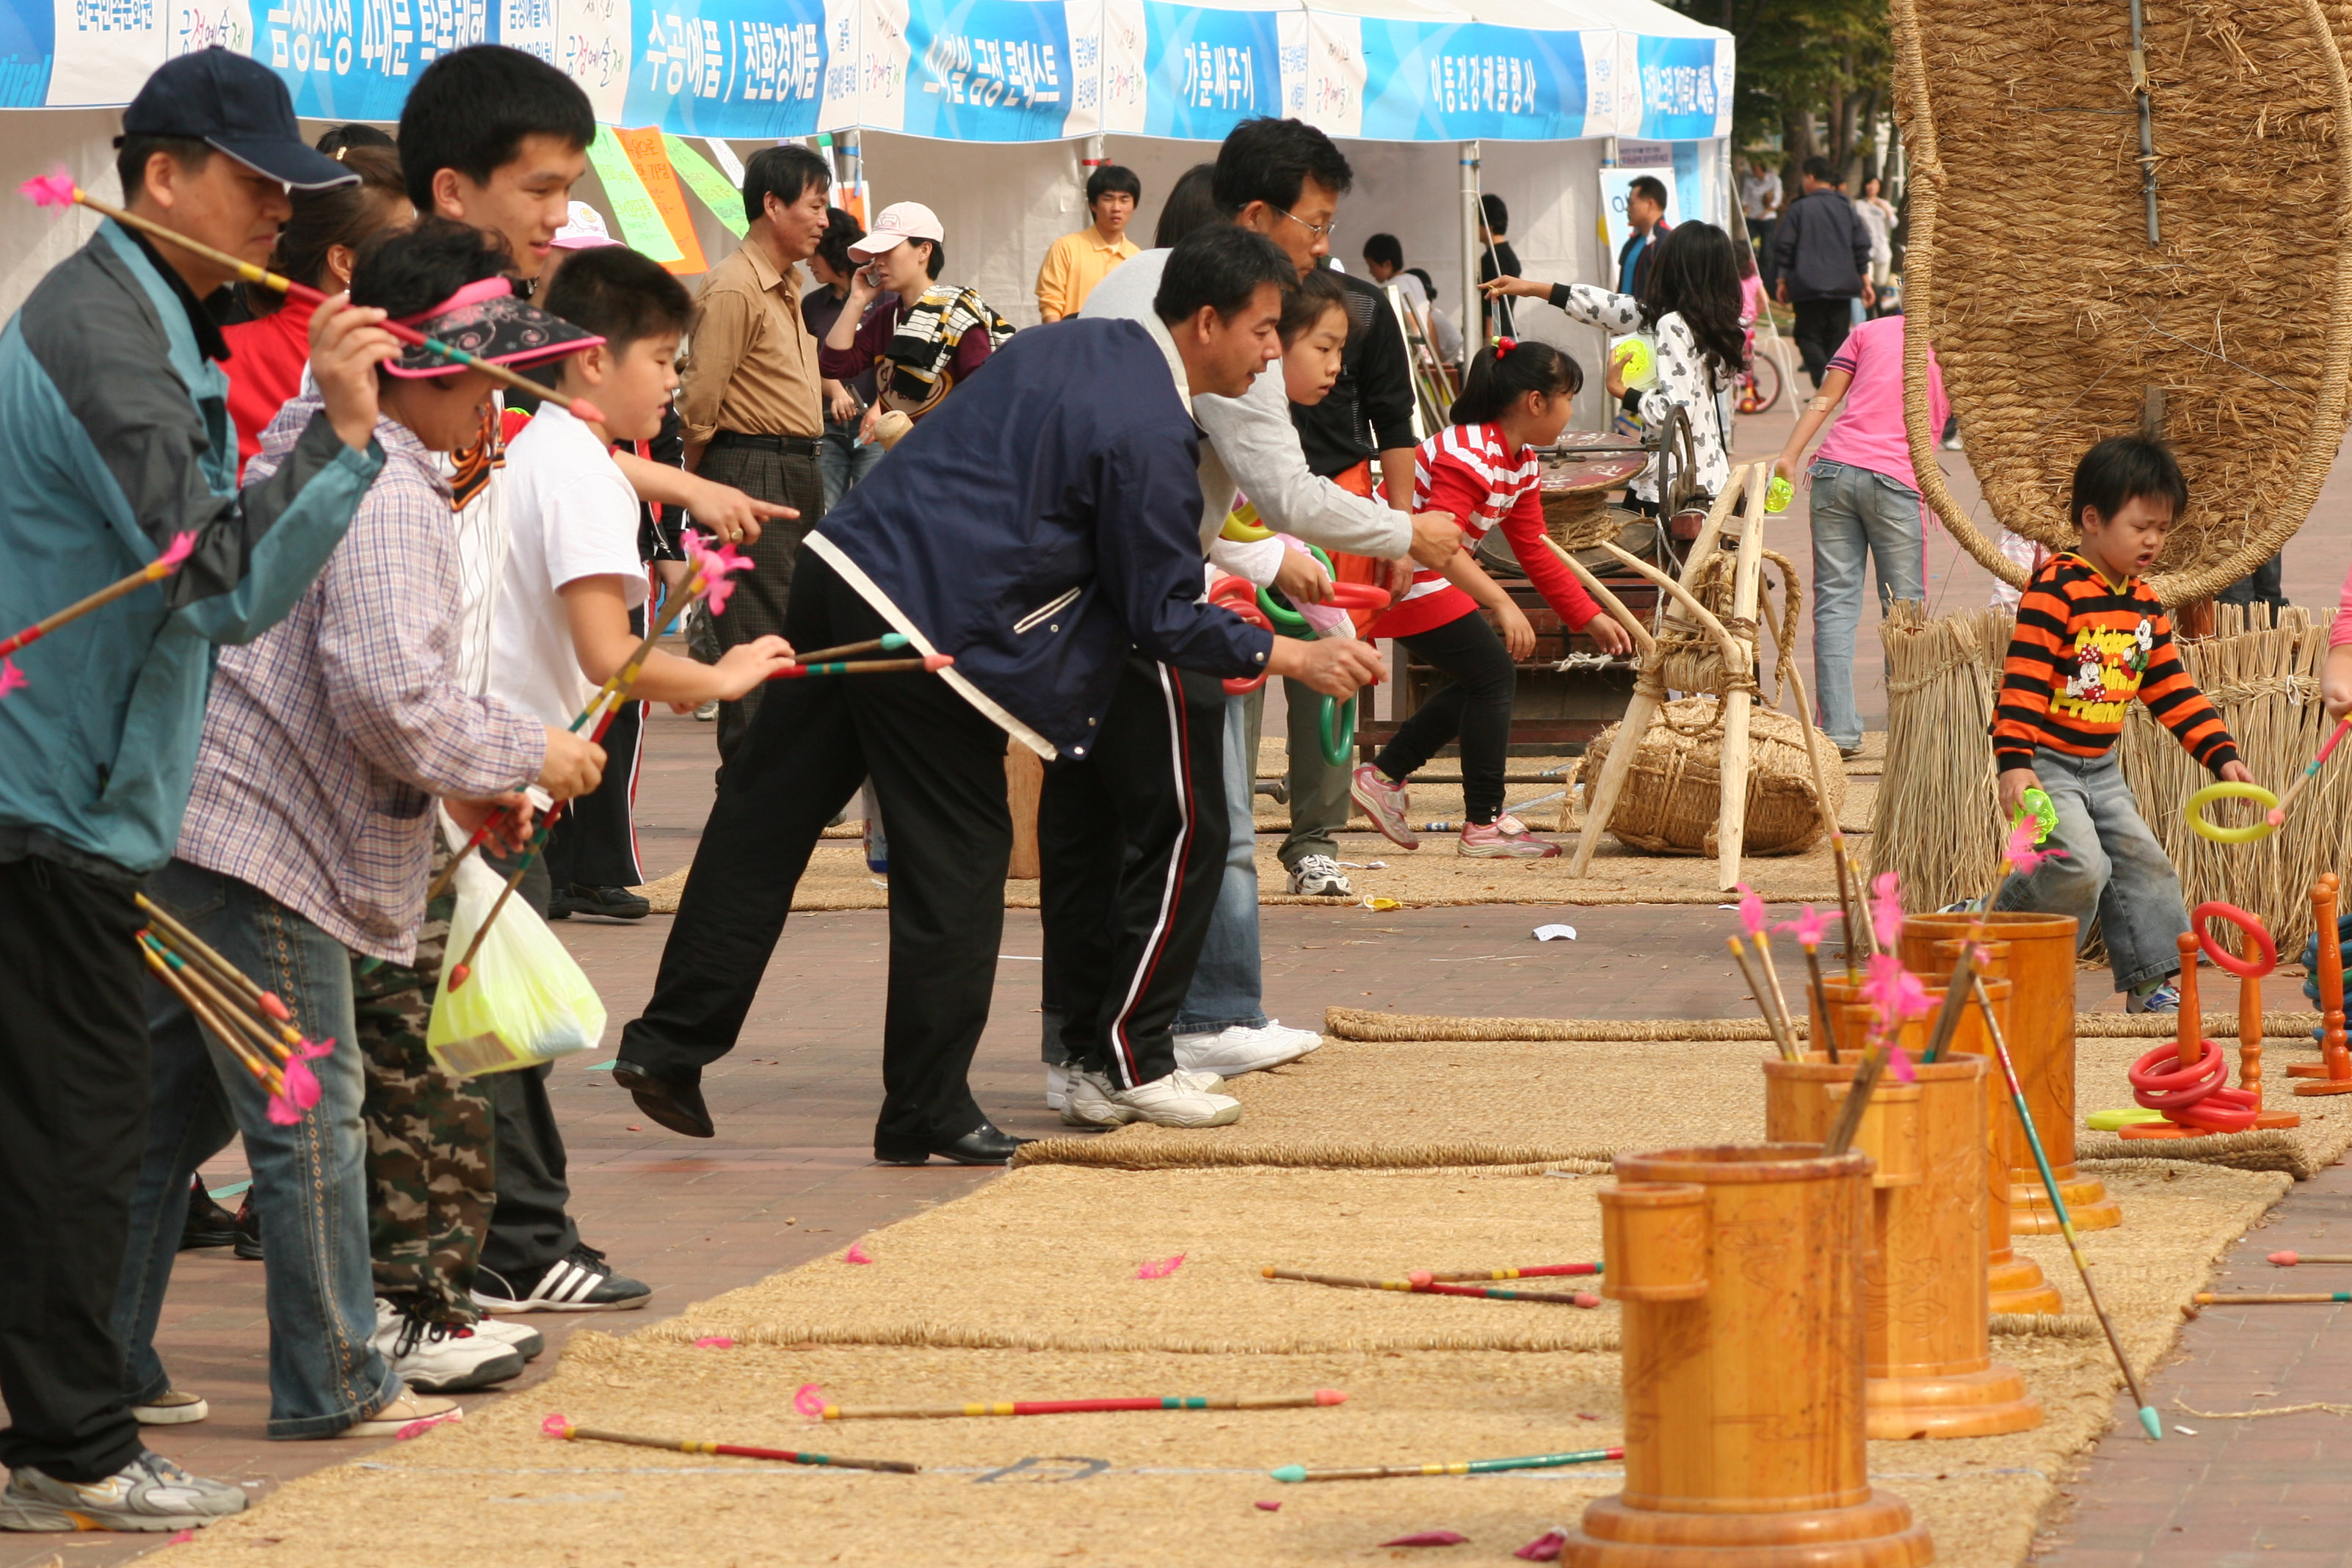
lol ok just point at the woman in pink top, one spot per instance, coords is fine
(1865, 501)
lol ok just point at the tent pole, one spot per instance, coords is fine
(1472, 332)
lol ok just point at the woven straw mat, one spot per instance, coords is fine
(1049, 1256)
(2053, 315)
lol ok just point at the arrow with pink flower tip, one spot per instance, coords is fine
(183, 545)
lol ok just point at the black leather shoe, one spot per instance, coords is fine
(249, 1230)
(208, 1224)
(676, 1106)
(611, 903)
(983, 1145)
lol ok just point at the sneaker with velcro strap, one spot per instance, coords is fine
(149, 1493)
(579, 1281)
(439, 1357)
(1319, 877)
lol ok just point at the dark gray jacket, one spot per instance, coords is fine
(1820, 249)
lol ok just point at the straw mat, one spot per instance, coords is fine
(2289, 1029)
(1053, 1252)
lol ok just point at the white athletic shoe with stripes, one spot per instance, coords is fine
(579, 1281)
(1087, 1103)
(1170, 1101)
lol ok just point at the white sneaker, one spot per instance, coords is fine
(436, 1357)
(1058, 1085)
(402, 1411)
(1319, 877)
(1233, 1052)
(521, 1338)
(173, 1407)
(1089, 1103)
(1167, 1102)
(151, 1492)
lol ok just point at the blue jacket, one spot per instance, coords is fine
(1041, 522)
(114, 437)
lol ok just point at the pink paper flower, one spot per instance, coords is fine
(183, 545)
(1161, 1270)
(301, 1083)
(1885, 909)
(1751, 910)
(1894, 992)
(11, 677)
(810, 1401)
(856, 1254)
(55, 190)
(716, 568)
(1429, 1538)
(1898, 1062)
(1544, 1548)
(555, 1425)
(2023, 854)
(714, 1343)
(1809, 928)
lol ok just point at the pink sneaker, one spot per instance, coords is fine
(1505, 838)
(1384, 802)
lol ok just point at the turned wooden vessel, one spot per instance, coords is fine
(1929, 1359)
(2015, 1284)
(1740, 1273)
(2041, 1045)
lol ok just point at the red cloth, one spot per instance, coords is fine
(266, 357)
(1466, 471)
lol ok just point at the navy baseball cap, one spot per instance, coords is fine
(236, 104)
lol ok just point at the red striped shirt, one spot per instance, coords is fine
(1465, 469)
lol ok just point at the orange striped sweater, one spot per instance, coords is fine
(2082, 649)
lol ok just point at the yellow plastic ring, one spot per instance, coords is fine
(2219, 835)
(1242, 526)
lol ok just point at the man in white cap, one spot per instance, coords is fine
(925, 337)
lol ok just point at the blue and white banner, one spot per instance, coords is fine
(966, 70)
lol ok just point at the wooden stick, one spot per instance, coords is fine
(2278, 813)
(222, 1005)
(1431, 1287)
(1779, 998)
(930, 662)
(2289, 1260)
(1541, 1270)
(188, 941)
(888, 642)
(1763, 1000)
(303, 294)
(556, 1427)
(1858, 1101)
(1828, 821)
(1451, 1467)
(2209, 1299)
(1321, 1396)
(1821, 999)
(2148, 1420)
(155, 571)
(268, 1076)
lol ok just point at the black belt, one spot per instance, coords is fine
(784, 446)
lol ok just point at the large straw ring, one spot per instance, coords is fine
(2257, 938)
(2217, 833)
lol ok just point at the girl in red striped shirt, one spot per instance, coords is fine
(1484, 469)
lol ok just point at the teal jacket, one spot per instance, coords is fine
(115, 436)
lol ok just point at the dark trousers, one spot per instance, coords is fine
(2265, 585)
(531, 1223)
(1131, 844)
(594, 843)
(762, 594)
(1473, 705)
(1821, 327)
(937, 767)
(73, 1126)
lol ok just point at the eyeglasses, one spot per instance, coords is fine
(1319, 230)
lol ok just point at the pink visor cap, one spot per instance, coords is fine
(486, 320)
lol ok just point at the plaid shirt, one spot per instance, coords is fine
(328, 738)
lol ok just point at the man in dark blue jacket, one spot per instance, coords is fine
(1821, 257)
(1047, 532)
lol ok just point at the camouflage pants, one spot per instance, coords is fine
(429, 1134)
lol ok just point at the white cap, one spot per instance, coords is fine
(582, 230)
(899, 221)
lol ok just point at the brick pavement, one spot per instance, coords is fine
(790, 1179)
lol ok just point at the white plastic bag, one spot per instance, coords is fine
(523, 1003)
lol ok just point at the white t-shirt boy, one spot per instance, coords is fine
(570, 514)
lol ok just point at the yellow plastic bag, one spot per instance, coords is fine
(526, 1001)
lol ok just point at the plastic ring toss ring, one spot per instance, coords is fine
(2219, 835)
(1288, 621)
(2257, 940)
(1235, 595)
(1339, 737)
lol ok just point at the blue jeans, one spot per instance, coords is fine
(2113, 869)
(1856, 512)
(309, 1180)
(841, 462)
(1226, 989)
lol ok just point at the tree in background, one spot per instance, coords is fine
(1814, 72)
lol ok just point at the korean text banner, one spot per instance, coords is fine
(728, 67)
(1432, 82)
(997, 70)
(1686, 89)
(1206, 71)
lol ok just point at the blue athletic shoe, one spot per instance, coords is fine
(2165, 998)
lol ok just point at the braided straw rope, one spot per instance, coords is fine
(2025, 181)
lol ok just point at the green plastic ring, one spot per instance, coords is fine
(1288, 622)
(2219, 835)
(1337, 745)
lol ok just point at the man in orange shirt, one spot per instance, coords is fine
(1079, 261)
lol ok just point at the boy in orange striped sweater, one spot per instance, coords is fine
(2089, 637)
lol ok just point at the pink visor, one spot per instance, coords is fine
(488, 321)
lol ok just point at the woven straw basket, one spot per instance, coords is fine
(2054, 318)
(1675, 794)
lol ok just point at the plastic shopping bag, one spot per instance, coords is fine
(526, 1001)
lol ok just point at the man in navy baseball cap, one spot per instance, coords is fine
(237, 105)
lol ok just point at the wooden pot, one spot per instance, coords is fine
(1741, 1272)
(2041, 1045)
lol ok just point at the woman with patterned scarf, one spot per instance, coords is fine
(923, 337)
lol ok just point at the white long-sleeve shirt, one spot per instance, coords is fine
(1253, 448)
(1687, 378)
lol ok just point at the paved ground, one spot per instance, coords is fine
(789, 1176)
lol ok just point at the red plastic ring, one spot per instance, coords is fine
(2243, 969)
(2224, 1110)
(1241, 597)
(2160, 1083)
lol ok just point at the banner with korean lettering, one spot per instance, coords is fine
(997, 70)
(1427, 81)
(728, 67)
(1684, 89)
(1207, 70)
